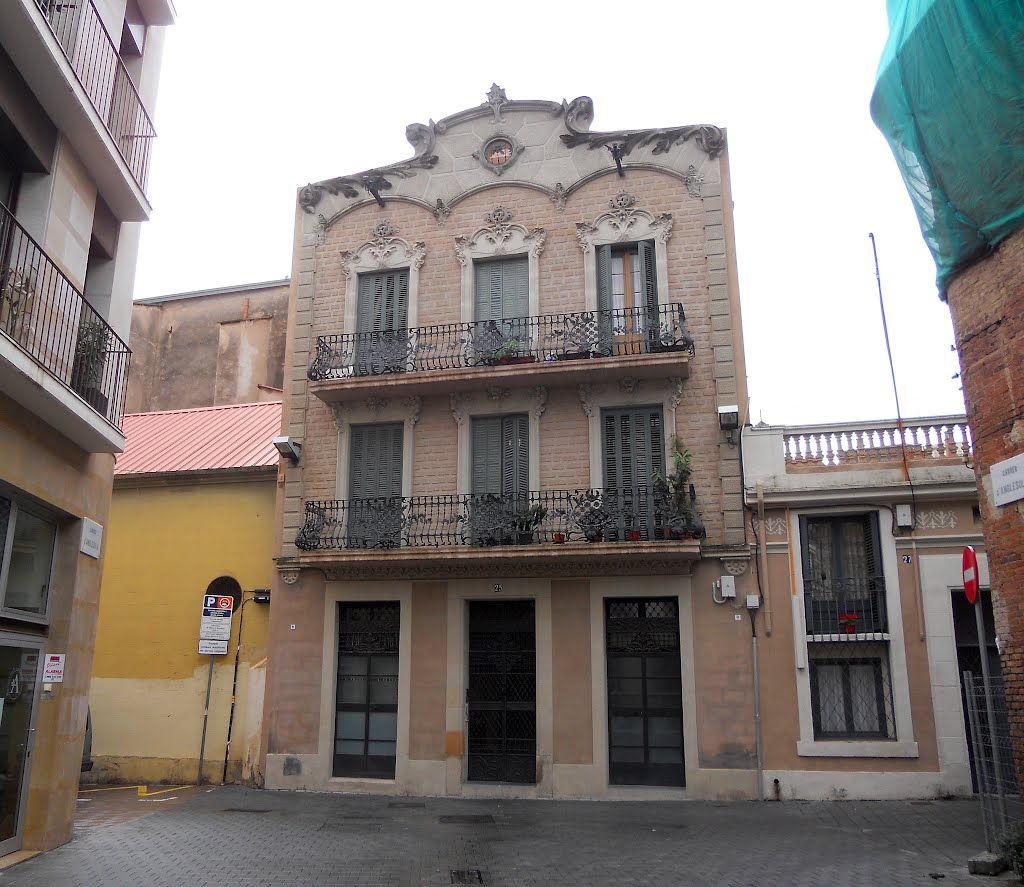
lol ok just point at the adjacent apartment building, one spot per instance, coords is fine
(512, 490)
(77, 85)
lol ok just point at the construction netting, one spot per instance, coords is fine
(949, 98)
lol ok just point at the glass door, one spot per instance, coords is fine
(19, 666)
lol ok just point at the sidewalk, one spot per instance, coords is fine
(234, 836)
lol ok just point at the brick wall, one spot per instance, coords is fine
(987, 302)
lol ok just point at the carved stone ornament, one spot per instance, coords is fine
(383, 242)
(622, 221)
(579, 114)
(587, 393)
(629, 384)
(376, 404)
(497, 99)
(693, 181)
(340, 415)
(441, 212)
(540, 400)
(458, 407)
(499, 152)
(414, 405)
(560, 196)
(498, 394)
(736, 566)
(499, 234)
(420, 136)
(936, 520)
(674, 387)
(289, 575)
(775, 526)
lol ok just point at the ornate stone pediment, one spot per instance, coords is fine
(624, 221)
(500, 236)
(385, 249)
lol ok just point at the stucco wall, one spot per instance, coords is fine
(166, 545)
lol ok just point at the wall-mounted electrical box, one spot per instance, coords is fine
(753, 601)
(728, 586)
(904, 516)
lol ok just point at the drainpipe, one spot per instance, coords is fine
(752, 612)
(762, 563)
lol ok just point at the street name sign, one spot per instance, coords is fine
(215, 624)
(1008, 480)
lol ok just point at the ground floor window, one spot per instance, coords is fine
(851, 690)
(366, 716)
(645, 708)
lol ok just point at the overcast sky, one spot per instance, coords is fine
(259, 98)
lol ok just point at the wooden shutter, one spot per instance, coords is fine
(604, 278)
(383, 302)
(634, 447)
(375, 461)
(501, 455)
(502, 289)
(487, 456)
(648, 275)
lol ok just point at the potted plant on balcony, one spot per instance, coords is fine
(672, 493)
(527, 522)
(91, 349)
(509, 353)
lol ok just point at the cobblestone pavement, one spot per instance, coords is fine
(234, 836)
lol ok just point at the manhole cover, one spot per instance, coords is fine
(467, 876)
(407, 805)
(242, 810)
(467, 819)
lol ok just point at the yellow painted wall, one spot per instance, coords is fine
(165, 545)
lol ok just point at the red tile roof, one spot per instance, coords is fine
(204, 439)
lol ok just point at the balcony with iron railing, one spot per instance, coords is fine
(96, 62)
(48, 324)
(521, 351)
(846, 609)
(520, 533)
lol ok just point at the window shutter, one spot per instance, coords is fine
(611, 450)
(364, 316)
(487, 444)
(516, 287)
(648, 275)
(383, 302)
(871, 545)
(656, 451)
(515, 455)
(488, 291)
(634, 447)
(375, 461)
(604, 277)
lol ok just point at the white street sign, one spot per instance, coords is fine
(91, 542)
(212, 648)
(215, 624)
(53, 668)
(1008, 480)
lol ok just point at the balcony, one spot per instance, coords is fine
(547, 349)
(58, 357)
(97, 64)
(574, 531)
(846, 609)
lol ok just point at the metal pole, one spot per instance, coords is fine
(990, 713)
(234, 687)
(757, 707)
(206, 716)
(980, 770)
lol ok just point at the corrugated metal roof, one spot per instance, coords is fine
(204, 439)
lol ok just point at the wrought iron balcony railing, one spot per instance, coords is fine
(97, 64)
(43, 312)
(845, 607)
(551, 516)
(547, 337)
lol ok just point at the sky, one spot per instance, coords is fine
(259, 99)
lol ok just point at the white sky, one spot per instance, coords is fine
(259, 98)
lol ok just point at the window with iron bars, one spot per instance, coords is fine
(847, 628)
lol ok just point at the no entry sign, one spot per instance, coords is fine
(970, 565)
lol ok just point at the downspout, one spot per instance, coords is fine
(762, 563)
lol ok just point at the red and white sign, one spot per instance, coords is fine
(970, 566)
(215, 625)
(53, 668)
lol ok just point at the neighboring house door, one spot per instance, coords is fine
(501, 464)
(627, 296)
(501, 308)
(633, 441)
(375, 486)
(19, 660)
(366, 714)
(645, 708)
(382, 336)
(501, 692)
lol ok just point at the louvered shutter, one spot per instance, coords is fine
(488, 291)
(515, 468)
(634, 447)
(648, 275)
(516, 287)
(487, 447)
(375, 463)
(383, 302)
(502, 289)
(605, 323)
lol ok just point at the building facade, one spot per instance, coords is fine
(510, 362)
(207, 477)
(867, 629)
(77, 84)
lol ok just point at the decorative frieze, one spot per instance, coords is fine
(377, 252)
(499, 236)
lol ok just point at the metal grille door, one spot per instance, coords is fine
(502, 692)
(645, 709)
(366, 719)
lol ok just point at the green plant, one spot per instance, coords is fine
(91, 350)
(509, 348)
(1012, 845)
(673, 487)
(528, 521)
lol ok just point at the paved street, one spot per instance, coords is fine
(238, 836)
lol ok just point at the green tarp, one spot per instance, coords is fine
(949, 98)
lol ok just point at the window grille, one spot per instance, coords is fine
(851, 690)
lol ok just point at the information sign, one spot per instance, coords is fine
(53, 668)
(215, 624)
